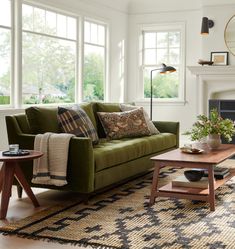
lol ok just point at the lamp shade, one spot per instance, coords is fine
(205, 26)
(167, 69)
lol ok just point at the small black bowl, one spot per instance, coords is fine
(194, 175)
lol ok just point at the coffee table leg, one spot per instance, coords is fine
(154, 188)
(21, 179)
(1, 178)
(211, 188)
(8, 175)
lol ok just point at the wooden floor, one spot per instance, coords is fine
(20, 208)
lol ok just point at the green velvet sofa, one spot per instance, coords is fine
(92, 168)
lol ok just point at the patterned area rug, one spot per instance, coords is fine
(121, 218)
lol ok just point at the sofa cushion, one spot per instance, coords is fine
(88, 108)
(76, 122)
(23, 123)
(104, 107)
(124, 124)
(108, 107)
(43, 119)
(151, 126)
(114, 152)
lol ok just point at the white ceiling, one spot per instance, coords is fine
(146, 6)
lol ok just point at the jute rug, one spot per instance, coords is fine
(121, 218)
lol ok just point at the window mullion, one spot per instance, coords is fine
(17, 51)
(156, 47)
(106, 87)
(80, 59)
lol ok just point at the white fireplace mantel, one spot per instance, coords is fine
(211, 80)
(212, 70)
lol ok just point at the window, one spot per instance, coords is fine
(94, 61)
(48, 56)
(163, 45)
(55, 67)
(5, 52)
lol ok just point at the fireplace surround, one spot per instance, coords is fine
(213, 82)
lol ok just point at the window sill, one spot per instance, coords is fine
(175, 102)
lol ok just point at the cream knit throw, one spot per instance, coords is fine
(51, 168)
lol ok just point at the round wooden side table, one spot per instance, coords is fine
(11, 169)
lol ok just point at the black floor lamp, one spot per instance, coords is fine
(164, 69)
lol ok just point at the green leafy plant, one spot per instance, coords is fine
(215, 124)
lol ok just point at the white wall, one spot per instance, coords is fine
(215, 41)
(117, 20)
(197, 47)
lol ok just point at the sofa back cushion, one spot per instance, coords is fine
(43, 119)
(77, 122)
(23, 123)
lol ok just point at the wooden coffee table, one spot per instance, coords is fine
(9, 170)
(206, 160)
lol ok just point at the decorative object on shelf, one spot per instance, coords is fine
(182, 181)
(219, 173)
(219, 58)
(202, 62)
(212, 125)
(206, 25)
(229, 34)
(194, 175)
(164, 69)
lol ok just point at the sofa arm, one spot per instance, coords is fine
(168, 126)
(25, 141)
(80, 170)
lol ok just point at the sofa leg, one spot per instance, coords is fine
(19, 191)
(86, 199)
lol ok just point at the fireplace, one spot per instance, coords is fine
(213, 82)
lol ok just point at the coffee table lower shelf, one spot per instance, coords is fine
(190, 193)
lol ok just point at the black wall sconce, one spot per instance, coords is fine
(206, 25)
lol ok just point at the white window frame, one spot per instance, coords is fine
(16, 52)
(105, 53)
(11, 29)
(77, 42)
(178, 26)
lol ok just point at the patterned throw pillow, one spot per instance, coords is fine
(76, 122)
(124, 124)
(151, 126)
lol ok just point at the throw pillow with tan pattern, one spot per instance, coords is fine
(124, 124)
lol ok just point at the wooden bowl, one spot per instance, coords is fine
(205, 63)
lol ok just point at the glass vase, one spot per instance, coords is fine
(214, 141)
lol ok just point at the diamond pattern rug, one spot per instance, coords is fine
(121, 218)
